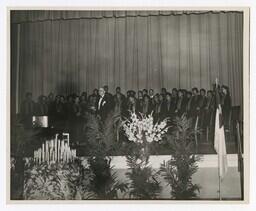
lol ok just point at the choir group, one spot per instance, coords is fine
(71, 109)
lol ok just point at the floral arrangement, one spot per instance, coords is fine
(142, 128)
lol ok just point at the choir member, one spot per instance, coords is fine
(27, 110)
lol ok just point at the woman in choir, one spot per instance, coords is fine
(131, 107)
(77, 120)
(226, 105)
(156, 107)
(83, 104)
(140, 101)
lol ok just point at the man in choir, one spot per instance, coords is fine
(103, 105)
(174, 95)
(163, 92)
(181, 104)
(118, 92)
(42, 106)
(161, 107)
(194, 105)
(119, 101)
(188, 101)
(146, 107)
(209, 109)
(202, 103)
(169, 106)
(151, 94)
(95, 94)
(27, 110)
(145, 92)
(131, 105)
(69, 111)
(108, 95)
(133, 94)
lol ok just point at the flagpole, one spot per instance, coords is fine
(216, 83)
(219, 175)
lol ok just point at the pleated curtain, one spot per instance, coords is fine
(134, 52)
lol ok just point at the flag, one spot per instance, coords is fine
(219, 139)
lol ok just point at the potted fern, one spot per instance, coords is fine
(178, 171)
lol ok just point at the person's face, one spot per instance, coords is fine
(161, 98)
(106, 88)
(29, 97)
(118, 95)
(70, 99)
(194, 92)
(146, 99)
(180, 94)
(131, 99)
(144, 92)
(224, 91)
(82, 98)
(151, 92)
(62, 99)
(95, 91)
(50, 97)
(209, 94)
(188, 95)
(140, 95)
(101, 92)
(174, 93)
(77, 100)
(202, 93)
(118, 90)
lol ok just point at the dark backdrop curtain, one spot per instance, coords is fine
(152, 51)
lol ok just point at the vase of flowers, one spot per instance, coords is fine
(142, 130)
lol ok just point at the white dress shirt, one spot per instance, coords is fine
(99, 104)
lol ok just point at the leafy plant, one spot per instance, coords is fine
(143, 179)
(104, 181)
(178, 171)
(21, 140)
(57, 181)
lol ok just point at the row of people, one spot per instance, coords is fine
(165, 104)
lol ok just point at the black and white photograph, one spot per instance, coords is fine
(125, 105)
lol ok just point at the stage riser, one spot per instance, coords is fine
(206, 176)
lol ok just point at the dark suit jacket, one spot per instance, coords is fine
(181, 106)
(104, 108)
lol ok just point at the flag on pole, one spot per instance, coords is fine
(219, 138)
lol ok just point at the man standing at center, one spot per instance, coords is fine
(103, 105)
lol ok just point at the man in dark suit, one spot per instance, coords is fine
(103, 105)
